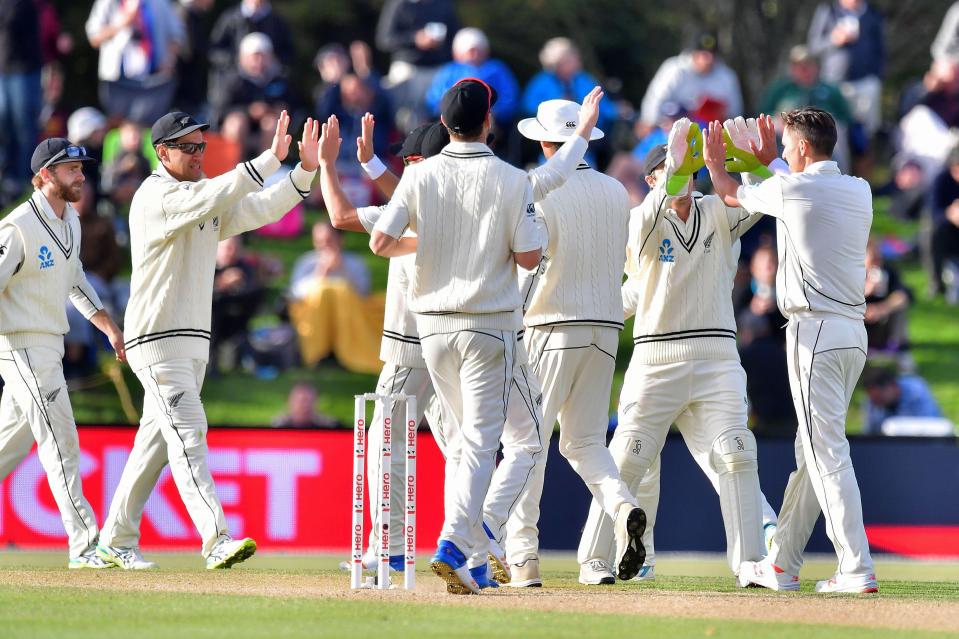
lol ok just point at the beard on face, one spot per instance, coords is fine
(66, 191)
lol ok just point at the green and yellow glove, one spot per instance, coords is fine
(738, 133)
(684, 155)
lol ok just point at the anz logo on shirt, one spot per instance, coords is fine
(666, 252)
(45, 257)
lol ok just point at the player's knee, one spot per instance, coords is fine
(734, 451)
(633, 452)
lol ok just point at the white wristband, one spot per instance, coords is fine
(374, 168)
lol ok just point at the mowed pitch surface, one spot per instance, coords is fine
(289, 596)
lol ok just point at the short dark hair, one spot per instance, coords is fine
(815, 126)
(878, 376)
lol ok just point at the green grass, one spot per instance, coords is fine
(239, 399)
(39, 599)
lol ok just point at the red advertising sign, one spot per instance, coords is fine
(288, 489)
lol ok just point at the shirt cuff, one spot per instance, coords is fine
(374, 168)
(302, 180)
(262, 167)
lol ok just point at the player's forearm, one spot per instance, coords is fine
(341, 211)
(386, 246)
(724, 185)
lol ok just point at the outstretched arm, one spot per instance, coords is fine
(342, 213)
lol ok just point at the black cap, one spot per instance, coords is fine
(466, 104)
(425, 140)
(174, 125)
(704, 40)
(59, 150)
(655, 157)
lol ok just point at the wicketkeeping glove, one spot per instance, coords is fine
(684, 155)
(738, 133)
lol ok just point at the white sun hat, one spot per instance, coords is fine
(555, 121)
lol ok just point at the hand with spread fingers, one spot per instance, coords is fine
(743, 139)
(589, 112)
(364, 143)
(684, 155)
(330, 142)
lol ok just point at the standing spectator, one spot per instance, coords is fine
(847, 36)
(563, 78)
(698, 80)
(890, 395)
(192, 66)
(418, 35)
(942, 249)
(122, 175)
(302, 410)
(250, 16)
(887, 300)
(20, 93)
(52, 121)
(138, 42)
(946, 44)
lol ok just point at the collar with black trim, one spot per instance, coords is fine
(44, 205)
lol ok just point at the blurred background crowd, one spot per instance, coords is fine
(293, 298)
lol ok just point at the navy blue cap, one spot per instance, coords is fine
(57, 151)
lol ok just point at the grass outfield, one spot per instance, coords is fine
(305, 596)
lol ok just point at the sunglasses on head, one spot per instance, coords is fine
(71, 151)
(190, 148)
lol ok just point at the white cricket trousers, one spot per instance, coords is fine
(172, 429)
(706, 399)
(575, 367)
(472, 373)
(825, 356)
(35, 406)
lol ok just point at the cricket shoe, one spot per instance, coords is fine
(525, 574)
(228, 551)
(769, 534)
(126, 558)
(765, 574)
(482, 576)
(497, 559)
(629, 527)
(596, 572)
(646, 573)
(88, 561)
(849, 584)
(449, 564)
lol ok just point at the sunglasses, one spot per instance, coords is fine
(71, 151)
(190, 148)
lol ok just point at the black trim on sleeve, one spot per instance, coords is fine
(254, 174)
(302, 194)
(399, 337)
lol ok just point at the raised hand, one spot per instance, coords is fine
(330, 141)
(364, 143)
(589, 113)
(309, 145)
(766, 150)
(714, 149)
(683, 154)
(281, 140)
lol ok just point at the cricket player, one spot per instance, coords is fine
(685, 368)
(475, 222)
(177, 217)
(404, 370)
(40, 270)
(822, 227)
(574, 316)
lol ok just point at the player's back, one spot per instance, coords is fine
(587, 221)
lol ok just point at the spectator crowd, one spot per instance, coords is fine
(233, 70)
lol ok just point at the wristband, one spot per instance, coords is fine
(374, 168)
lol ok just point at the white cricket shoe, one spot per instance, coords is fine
(849, 583)
(88, 561)
(765, 574)
(525, 574)
(628, 528)
(126, 558)
(229, 551)
(596, 572)
(646, 573)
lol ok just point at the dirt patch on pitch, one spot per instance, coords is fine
(751, 605)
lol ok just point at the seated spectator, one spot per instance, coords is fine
(930, 110)
(349, 99)
(192, 67)
(302, 410)
(887, 300)
(256, 91)
(53, 113)
(124, 172)
(471, 59)
(87, 127)
(237, 294)
(329, 307)
(100, 254)
(698, 80)
(891, 395)
(563, 78)
(943, 248)
(332, 64)
(906, 189)
(757, 314)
